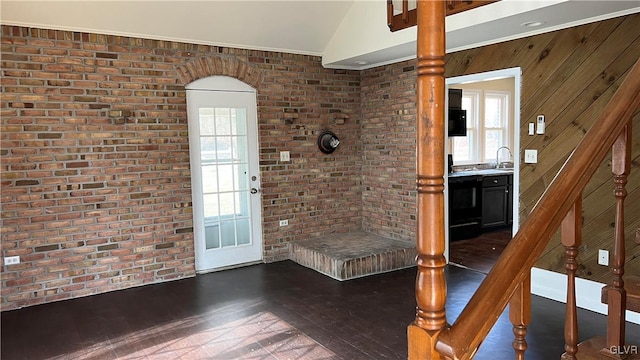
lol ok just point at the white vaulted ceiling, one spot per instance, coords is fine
(291, 26)
(349, 34)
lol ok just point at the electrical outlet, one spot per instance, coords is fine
(284, 156)
(284, 222)
(12, 260)
(530, 156)
(603, 257)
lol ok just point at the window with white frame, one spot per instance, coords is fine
(487, 127)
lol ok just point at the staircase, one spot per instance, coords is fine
(430, 336)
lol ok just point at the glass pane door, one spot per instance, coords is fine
(225, 174)
(225, 177)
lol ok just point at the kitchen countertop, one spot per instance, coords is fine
(481, 172)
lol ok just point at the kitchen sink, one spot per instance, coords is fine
(482, 172)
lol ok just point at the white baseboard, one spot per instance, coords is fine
(553, 285)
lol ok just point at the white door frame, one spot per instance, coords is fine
(224, 85)
(516, 74)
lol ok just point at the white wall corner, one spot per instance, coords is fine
(364, 30)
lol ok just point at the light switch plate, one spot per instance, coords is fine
(530, 156)
(532, 129)
(284, 156)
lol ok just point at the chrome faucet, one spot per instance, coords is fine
(498, 163)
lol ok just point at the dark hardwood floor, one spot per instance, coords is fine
(269, 311)
(479, 253)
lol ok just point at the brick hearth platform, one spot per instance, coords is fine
(347, 256)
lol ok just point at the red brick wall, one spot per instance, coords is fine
(389, 150)
(95, 159)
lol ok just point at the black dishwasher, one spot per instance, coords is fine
(465, 206)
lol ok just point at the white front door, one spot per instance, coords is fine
(223, 144)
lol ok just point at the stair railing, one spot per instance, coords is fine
(429, 336)
(560, 206)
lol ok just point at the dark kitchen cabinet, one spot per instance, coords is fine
(497, 201)
(465, 210)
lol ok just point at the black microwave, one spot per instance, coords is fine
(457, 122)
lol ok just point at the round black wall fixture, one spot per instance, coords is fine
(328, 142)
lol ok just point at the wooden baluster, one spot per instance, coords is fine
(520, 316)
(389, 13)
(571, 234)
(617, 297)
(405, 11)
(431, 289)
(451, 4)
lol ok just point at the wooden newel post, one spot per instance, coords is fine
(431, 287)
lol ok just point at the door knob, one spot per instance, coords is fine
(254, 190)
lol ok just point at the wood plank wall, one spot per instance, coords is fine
(569, 76)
